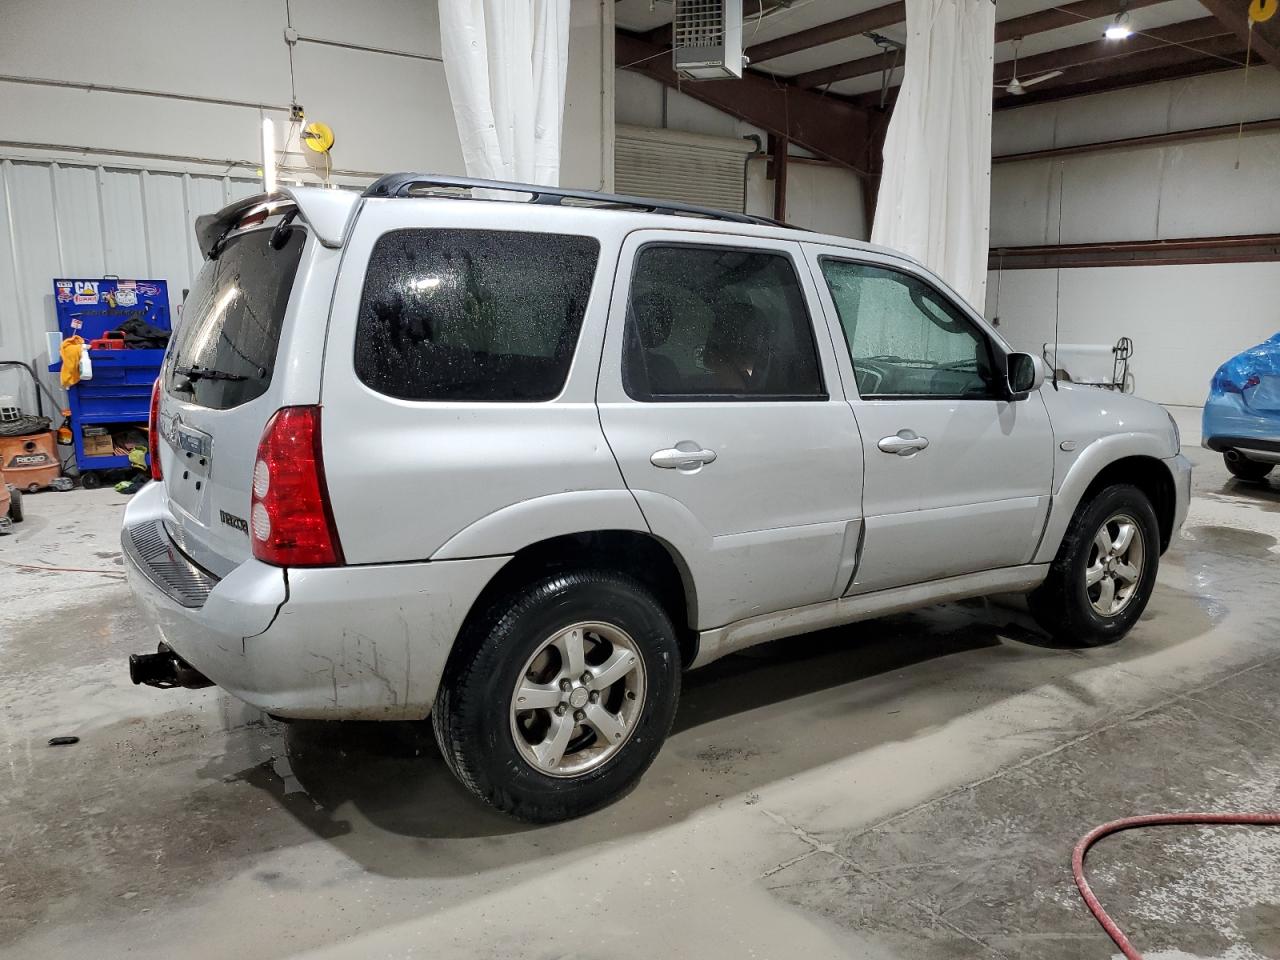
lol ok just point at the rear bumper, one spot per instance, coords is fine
(364, 642)
(1230, 424)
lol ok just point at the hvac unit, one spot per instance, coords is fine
(707, 39)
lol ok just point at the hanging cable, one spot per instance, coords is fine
(1057, 281)
(293, 86)
(1248, 50)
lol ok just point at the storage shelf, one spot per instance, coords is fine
(121, 417)
(90, 462)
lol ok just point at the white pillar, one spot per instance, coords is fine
(935, 189)
(506, 62)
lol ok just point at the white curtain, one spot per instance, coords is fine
(506, 62)
(935, 191)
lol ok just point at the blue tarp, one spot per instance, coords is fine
(1244, 396)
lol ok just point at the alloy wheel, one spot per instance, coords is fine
(578, 699)
(1116, 560)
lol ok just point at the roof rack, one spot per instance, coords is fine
(408, 184)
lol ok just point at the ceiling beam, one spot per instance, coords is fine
(1233, 14)
(847, 71)
(1015, 29)
(1249, 128)
(1104, 65)
(1189, 68)
(1117, 71)
(1065, 15)
(825, 33)
(833, 128)
(1189, 32)
(751, 10)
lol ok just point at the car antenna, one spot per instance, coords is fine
(1057, 294)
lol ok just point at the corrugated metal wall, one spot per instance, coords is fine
(71, 220)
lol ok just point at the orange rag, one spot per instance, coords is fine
(70, 350)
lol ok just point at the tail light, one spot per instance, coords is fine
(291, 522)
(153, 433)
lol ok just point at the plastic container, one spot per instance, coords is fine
(30, 463)
(111, 340)
(9, 410)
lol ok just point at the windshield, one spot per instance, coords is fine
(225, 350)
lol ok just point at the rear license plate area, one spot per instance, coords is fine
(188, 487)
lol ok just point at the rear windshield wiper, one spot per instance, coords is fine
(196, 372)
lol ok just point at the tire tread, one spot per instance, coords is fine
(475, 656)
(1055, 603)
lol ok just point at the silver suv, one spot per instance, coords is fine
(517, 465)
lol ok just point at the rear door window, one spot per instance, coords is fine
(713, 323)
(473, 315)
(224, 352)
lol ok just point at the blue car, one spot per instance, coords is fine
(1242, 414)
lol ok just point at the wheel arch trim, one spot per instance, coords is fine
(1090, 464)
(521, 525)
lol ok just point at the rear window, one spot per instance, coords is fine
(472, 314)
(225, 349)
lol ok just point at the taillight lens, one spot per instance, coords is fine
(291, 522)
(153, 432)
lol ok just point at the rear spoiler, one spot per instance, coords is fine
(326, 212)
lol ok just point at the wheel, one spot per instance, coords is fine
(1105, 570)
(90, 480)
(557, 697)
(1245, 469)
(15, 505)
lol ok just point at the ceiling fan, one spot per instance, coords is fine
(1018, 87)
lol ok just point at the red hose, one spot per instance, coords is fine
(46, 567)
(1149, 820)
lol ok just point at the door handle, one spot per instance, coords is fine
(685, 455)
(904, 443)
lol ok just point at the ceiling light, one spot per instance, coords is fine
(1119, 29)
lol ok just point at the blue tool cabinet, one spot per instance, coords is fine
(119, 394)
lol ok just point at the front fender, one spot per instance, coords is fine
(519, 525)
(1079, 469)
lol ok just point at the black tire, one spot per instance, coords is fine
(1242, 468)
(1061, 605)
(15, 505)
(472, 715)
(90, 480)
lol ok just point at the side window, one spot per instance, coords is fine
(904, 338)
(718, 323)
(485, 315)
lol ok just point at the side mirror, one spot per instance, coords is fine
(1025, 374)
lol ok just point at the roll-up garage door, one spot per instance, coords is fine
(685, 167)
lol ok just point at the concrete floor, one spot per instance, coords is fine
(909, 788)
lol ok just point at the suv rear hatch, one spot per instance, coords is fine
(219, 383)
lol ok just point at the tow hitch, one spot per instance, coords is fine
(165, 669)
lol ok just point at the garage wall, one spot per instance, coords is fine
(110, 180)
(75, 220)
(820, 196)
(1184, 320)
(371, 71)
